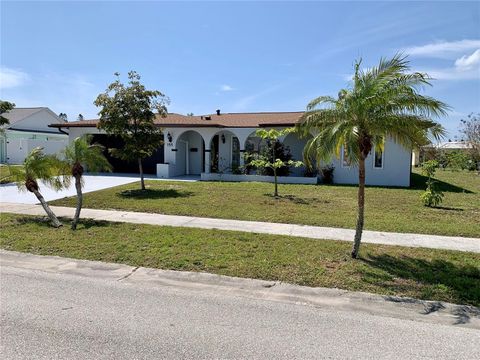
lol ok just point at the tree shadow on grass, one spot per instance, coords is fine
(447, 208)
(45, 222)
(419, 182)
(154, 194)
(461, 281)
(297, 200)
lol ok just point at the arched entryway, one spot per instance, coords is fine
(190, 154)
(225, 155)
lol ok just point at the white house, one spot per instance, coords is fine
(29, 128)
(212, 147)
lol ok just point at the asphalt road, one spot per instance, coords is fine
(57, 315)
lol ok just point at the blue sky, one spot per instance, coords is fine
(238, 57)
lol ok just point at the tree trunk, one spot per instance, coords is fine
(78, 186)
(361, 207)
(276, 183)
(47, 209)
(140, 169)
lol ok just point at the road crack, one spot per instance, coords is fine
(129, 274)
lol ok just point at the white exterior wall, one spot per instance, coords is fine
(395, 170)
(17, 145)
(34, 132)
(75, 132)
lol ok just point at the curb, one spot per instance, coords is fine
(335, 299)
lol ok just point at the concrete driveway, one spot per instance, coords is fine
(10, 192)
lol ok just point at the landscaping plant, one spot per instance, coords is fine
(470, 127)
(273, 161)
(78, 154)
(382, 102)
(432, 196)
(38, 166)
(272, 151)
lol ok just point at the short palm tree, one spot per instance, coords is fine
(38, 166)
(77, 154)
(382, 102)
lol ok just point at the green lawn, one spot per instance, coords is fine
(421, 273)
(387, 209)
(4, 174)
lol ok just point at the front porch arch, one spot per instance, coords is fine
(190, 153)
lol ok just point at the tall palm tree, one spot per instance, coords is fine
(77, 154)
(38, 166)
(382, 102)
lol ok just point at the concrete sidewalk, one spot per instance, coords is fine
(314, 232)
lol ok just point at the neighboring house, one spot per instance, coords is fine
(454, 145)
(213, 146)
(29, 128)
(445, 147)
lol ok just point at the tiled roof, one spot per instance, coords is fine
(261, 119)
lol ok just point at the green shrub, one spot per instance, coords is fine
(327, 174)
(432, 196)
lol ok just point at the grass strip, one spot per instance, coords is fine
(390, 270)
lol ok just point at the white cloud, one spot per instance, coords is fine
(245, 102)
(466, 63)
(10, 78)
(466, 67)
(452, 74)
(444, 49)
(226, 88)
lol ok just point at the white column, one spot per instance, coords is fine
(207, 161)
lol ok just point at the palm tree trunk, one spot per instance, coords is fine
(361, 207)
(78, 186)
(47, 209)
(140, 169)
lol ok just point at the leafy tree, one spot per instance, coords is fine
(128, 112)
(63, 116)
(383, 101)
(4, 107)
(470, 128)
(38, 166)
(78, 154)
(458, 160)
(79, 117)
(432, 196)
(276, 149)
(273, 162)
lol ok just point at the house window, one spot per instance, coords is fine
(378, 160)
